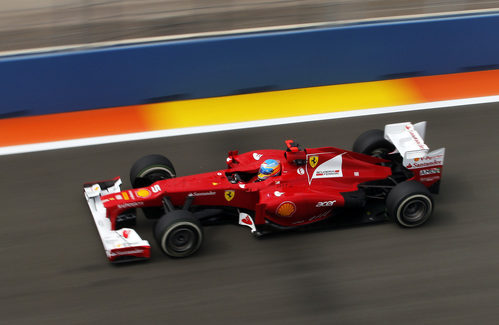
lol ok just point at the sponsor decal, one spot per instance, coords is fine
(242, 185)
(202, 193)
(286, 209)
(328, 173)
(328, 169)
(126, 252)
(131, 195)
(415, 137)
(130, 205)
(229, 195)
(416, 165)
(427, 158)
(215, 184)
(313, 160)
(429, 171)
(277, 193)
(430, 178)
(125, 195)
(300, 171)
(126, 233)
(257, 156)
(325, 204)
(119, 197)
(143, 193)
(247, 221)
(320, 216)
(96, 188)
(156, 188)
(219, 174)
(356, 174)
(434, 158)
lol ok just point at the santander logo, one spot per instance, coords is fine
(126, 233)
(247, 221)
(257, 156)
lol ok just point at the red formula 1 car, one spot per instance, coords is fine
(388, 174)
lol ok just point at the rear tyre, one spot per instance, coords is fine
(150, 169)
(409, 204)
(178, 233)
(373, 143)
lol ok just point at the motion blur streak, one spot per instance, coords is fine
(175, 117)
(55, 272)
(45, 23)
(239, 125)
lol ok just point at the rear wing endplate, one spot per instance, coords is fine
(408, 140)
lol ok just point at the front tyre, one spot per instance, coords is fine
(150, 169)
(409, 204)
(178, 233)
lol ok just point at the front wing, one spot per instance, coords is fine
(120, 245)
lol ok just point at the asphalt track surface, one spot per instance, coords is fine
(54, 270)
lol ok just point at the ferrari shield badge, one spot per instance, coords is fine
(229, 195)
(313, 160)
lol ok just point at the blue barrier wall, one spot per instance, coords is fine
(128, 75)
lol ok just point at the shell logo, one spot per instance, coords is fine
(286, 209)
(143, 193)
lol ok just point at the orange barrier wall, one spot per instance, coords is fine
(248, 107)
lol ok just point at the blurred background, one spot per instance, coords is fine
(26, 24)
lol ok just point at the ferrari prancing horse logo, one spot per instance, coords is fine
(229, 195)
(313, 160)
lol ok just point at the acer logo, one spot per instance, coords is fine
(325, 204)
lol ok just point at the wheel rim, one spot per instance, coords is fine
(415, 210)
(156, 176)
(182, 239)
(379, 152)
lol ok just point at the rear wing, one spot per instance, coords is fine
(408, 140)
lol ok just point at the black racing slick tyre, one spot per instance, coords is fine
(409, 204)
(373, 143)
(150, 169)
(178, 233)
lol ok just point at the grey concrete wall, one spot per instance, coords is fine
(45, 23)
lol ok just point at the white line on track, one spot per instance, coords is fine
(240, 125)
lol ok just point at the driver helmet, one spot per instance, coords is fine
(269, 168)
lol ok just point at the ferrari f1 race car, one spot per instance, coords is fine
(388, 174)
